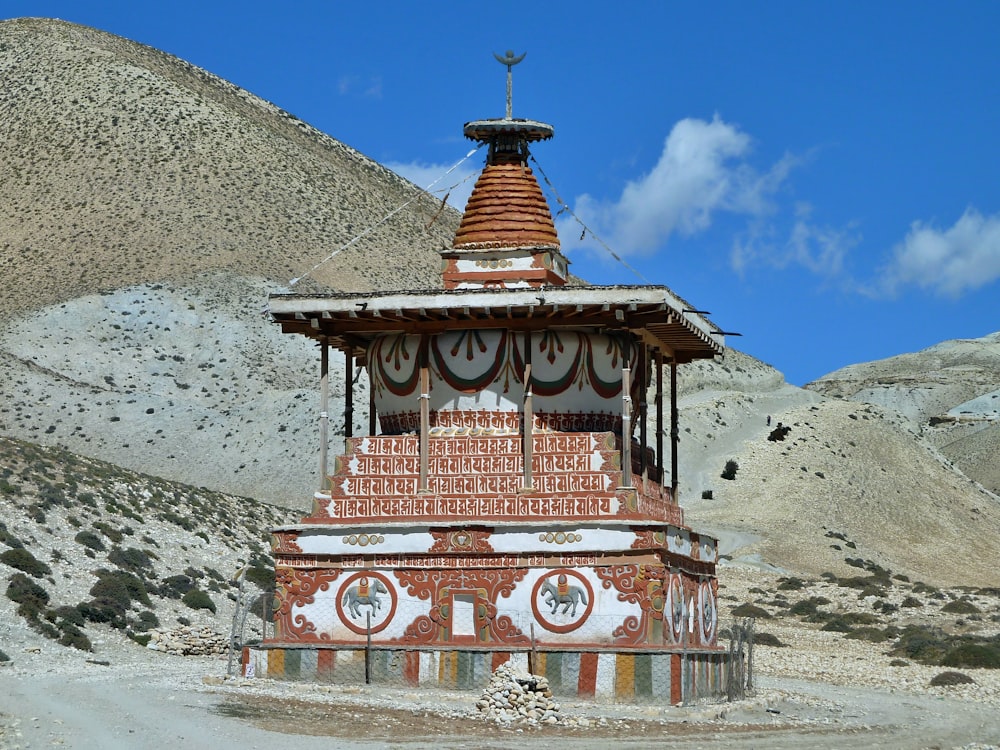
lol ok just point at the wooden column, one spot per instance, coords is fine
(528, 432)
(674, 429)
(348, 394)
(643, 406)
(627, 410)
(425, 415)
(659, 417)
(324, 416)
(372, 413)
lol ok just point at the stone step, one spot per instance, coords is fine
(473, 484)
(409, 445)
(505, 464)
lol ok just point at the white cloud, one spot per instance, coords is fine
(457, 185)
(700, 172)
(819, 249)
(950, 262)
(353, 85)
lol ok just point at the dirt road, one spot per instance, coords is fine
(184, 702)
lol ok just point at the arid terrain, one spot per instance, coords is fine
(154, 425)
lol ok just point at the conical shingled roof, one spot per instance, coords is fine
(506, 210)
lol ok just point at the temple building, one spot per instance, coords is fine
(515, 496)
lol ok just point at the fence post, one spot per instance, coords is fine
(368, 649)
(739, 670)
(532, 655)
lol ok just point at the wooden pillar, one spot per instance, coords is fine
(324, 416)
(372, 413)
(425, 415)
(348, 393)
(659, 417)
(627, 410)
(529, 416)
(674, 429)
(643, 407)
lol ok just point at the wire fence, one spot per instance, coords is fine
(371, 660)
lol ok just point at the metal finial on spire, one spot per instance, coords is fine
(510, 60)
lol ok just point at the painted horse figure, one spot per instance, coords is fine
(565, 594)
(365, 593)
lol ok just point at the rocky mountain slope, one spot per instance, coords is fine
(124, 165)
(151, 208)
(951, 391)
(99, 558)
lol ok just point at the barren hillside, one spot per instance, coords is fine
(124, 165)
(152, 207)
(149, 208)
(950, 390)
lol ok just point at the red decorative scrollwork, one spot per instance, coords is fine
(649, 539)
(295, 588)
(436, 586)
(284, 543)
(462, 540)
(642, 585)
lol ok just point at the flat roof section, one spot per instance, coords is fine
(349, 321)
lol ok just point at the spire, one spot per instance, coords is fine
(507, 236)
(510, 61)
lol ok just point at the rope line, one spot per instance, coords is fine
(565, 208)
(384, 219)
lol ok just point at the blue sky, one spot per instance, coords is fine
(821, 177)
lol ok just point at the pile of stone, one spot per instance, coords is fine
(187, 641)
(515, 697)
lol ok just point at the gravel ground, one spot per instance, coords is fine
(821, 691)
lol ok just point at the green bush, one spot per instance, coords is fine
(973, 655)
(146, 621)
(860, 618)
(730, 469)
(872, 635)
(790, 584)
(31, 597)
(67, 614)
(90, 540)
(103, 610)
(960, 607)
(109, 531)
(9, 539)
(74, 637)
(945, 679)
(262, 577)
(3, 656)
(174, 587)
(920, 643)
(750, 610)
(135, 560)
(767, 639)
(120, 586)
(198, 599)
(803, 608)
(22, 559)
(838, 625)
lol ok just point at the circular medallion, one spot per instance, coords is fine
(562, 600)
(365, 594)
(675, 608)
(708, 610)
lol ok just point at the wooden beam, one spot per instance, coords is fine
(425, 426)
(324, 416)
(528, 431)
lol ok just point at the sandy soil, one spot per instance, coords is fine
(185, 701)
